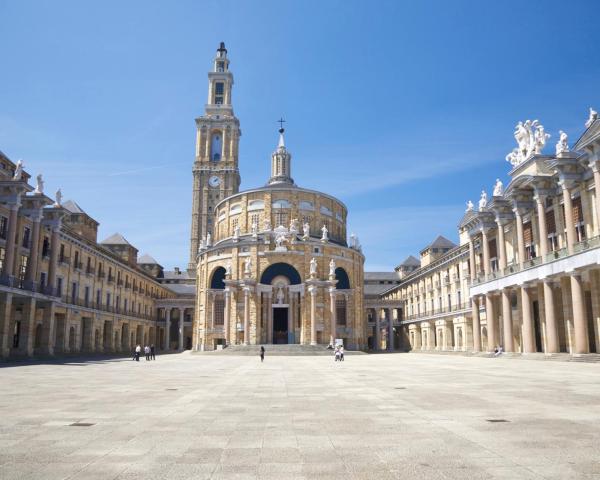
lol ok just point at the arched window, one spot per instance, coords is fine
(342, 278)
(216, 281)
(280, 269)
(216, 146)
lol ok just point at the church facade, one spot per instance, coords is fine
(273, 264)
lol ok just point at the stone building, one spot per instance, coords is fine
(273, 264)
(526, 274)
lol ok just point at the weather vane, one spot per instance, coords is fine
(281, 121)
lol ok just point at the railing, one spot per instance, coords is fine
(90, 271)
(586, 244)
(437, 311)
(64, 259)
(110, 279)
(81, 302)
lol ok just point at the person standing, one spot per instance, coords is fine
(337, 353)
(262, 353)
(341, 353)
(147, 352)
(138, 350)
(152, 352)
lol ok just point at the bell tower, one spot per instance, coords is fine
(216, 173)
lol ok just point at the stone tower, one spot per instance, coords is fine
(216, 173)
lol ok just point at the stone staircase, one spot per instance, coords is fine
(277, 350)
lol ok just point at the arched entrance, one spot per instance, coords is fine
(280, 312)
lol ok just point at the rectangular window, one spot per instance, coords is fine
(3, 227)
(98, 298)
(76, 260)
(22, 268)
(61, 255)
(59, 284)
(340, 311)
(125, 305)
(86, 297)
(26, 237)
(42, 280)
(46, 247)
(219, 88)
(108, 299)
(219, 307)
(73, 292)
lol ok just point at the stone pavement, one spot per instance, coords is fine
(405, 416)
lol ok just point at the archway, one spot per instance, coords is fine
(217, 279)
(280, 269)
(342, 278)
(280, 322)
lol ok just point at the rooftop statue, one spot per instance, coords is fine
(306, 230)
(58, 198)
(483, 201)
(531, 139)
(498, 188)
(562, 145)
(39, 187)
(18, 170)
(469, 206)
(593, 116)
(325, 232)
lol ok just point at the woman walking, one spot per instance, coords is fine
(262, 353)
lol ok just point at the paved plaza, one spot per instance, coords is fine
(402, 416)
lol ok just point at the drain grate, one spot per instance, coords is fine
(497, 420)
(81, 424)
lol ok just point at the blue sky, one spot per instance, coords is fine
(403, 110)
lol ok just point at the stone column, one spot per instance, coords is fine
(490, 317)
(528, 338)
(520, 237)
(595, 165)
(540, 201)
(389, 314)
(226, 326)
(377, 329)
(431, 339)
(501, 244)
(48, 334)
(579, 320)
(507, 321)
(550, 317)
(486, 252)
(313, 314)
(569, 223)
(26, 340)
(476, 324)
(54, 250)
(333, 316)
(167, 328)
(9, 255)
(33, 263)
(472, 269)
(269, 317)
(181, 328)
(246, 315)
(5, 321)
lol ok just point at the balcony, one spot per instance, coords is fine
(90, 271)
(64, 260)
(437, 312)
(557, 262)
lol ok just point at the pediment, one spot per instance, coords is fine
(591, 135)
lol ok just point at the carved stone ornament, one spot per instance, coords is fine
(531, 139)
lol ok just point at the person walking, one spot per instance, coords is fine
(262, 354)
(138, 350)
(152, 352)
(147, 352)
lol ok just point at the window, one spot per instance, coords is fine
(219, 92)
(22, 268)
(2, 253)
(42, 279)
(46, 247)
(98, 298)
(59, 285)
(86, 296)
(26, 237)
(76, 260)
(528, 240)
(255, 219)
(578, 219)
(220, 66)
(61, 255)
(108, 299)
(281, 218)
(340, 310)
(125, 305)
(3, 226)
(73, 292)
(216, 147)
(219, 307)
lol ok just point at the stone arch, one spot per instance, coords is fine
(342, 278)
(217, 279)
(280, 269)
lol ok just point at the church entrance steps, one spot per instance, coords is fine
(277, 350)
(550, 357)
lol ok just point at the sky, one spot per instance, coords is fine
(404, 110)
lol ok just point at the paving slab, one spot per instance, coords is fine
(374, 416)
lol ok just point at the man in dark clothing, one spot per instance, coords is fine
(152, 353)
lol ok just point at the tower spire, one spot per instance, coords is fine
(281, 161)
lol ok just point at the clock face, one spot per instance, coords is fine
(214, 181)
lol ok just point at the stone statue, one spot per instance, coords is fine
(208, 240)
(39, 187)
(469, 206)
(352, 240)
(540, 138)
(280, 295)
(294, 225)
(236, 232)
(248, 266)
(498, 188)
(332, 268)
(267, 225)
(313, 267)
(228, 269)
(513, 157)
(562, 145)
(593, 116)
(281, 236)
(58, 198)
(254, 229)
(18, 170)
(306, 230)
(325, 236)
(483, 201)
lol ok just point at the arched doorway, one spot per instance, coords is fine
(280, 322)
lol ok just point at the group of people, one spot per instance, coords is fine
(149, 351)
